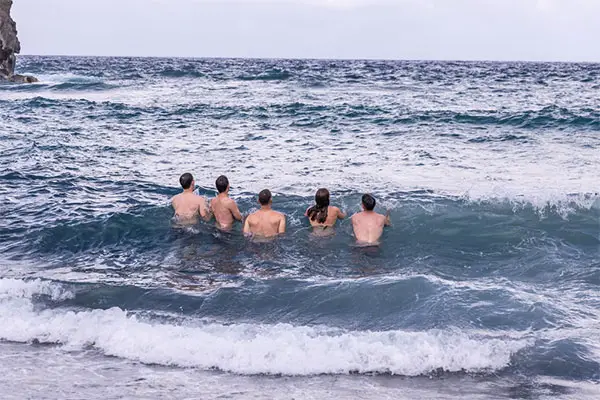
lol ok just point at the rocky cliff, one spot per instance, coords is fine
(9, 45)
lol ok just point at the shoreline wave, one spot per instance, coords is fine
(249, 348)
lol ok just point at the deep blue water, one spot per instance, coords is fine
(488, 279)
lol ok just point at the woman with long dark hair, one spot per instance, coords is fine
(323, 215)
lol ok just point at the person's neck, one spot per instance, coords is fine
(190, 190)
(223, 194)
(265, 208)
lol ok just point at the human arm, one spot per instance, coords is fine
(340, 213)
(281, 227)
(247, 226)
(388, 220)
(204, 211)
(353, 221)
(235, 211)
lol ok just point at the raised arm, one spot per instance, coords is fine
(340, 214)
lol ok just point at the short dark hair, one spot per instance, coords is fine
(186, 180)
(264, 197)
(222, 183)
(369, 202)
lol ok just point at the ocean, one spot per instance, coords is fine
(485, 287)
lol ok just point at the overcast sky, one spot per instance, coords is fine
(561, 30)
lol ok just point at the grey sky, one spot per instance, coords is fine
(392, 29)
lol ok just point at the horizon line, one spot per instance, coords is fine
(533, 61)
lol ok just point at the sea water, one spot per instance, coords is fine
(486, 285)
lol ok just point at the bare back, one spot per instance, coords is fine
(368, 226)
(333, 214)
(226, 211)
(265, 223)
(188, 207)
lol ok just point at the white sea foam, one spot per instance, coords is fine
(11, 289)
(247, 348)
(548, 171)
(67, 78)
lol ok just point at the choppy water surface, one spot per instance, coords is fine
(486, 286)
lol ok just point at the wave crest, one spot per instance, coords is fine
(280, 349)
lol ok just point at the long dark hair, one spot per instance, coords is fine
(318, 212)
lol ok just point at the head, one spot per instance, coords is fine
(222, 184)
(187, 181)
(319, 211)
(264, 197)
(368, 202)
(322, 198)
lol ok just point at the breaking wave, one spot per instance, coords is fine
(280, 349)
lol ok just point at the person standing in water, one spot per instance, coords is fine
(223, 207)
(322, 215)
(189, 206)
(265, 223)
(368, 225)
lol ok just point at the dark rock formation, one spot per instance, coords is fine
(9, 43)
(9, 46)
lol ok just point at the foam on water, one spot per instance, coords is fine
(247, 348)
(449, 156)
(491, 264)
(16, 288)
